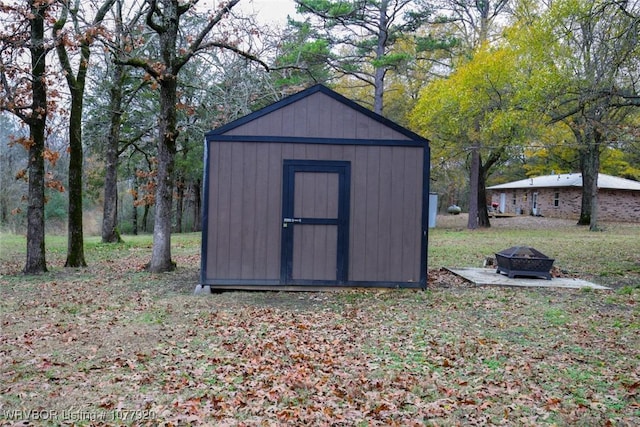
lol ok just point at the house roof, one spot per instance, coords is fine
(256, 125)
(569, 180)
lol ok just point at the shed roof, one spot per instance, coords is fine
(569, 180)
(332, 115)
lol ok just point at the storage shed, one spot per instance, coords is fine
(311, 192)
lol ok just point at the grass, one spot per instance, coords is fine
(609, 255)
(114, 345)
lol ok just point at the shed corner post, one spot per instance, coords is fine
(204, 218)
(426, 177)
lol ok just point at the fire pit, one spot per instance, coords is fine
(524, 261)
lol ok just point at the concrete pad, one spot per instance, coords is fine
(488, 276)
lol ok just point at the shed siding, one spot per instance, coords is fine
(244, 236)
(318, 116)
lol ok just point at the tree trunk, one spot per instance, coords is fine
(493, 158)
(161, 252)
(134, 216)
(589, 167)
(585, 206)
(179, 203)
(76, 84)
(3, 214)
(75, 243)
(145, 219)
(592, 168)
(593, 224)
(474, 173)
(380, 72)
(36, 262)
(197, 206)
(110, 233)
(483, 214)
(167, 29)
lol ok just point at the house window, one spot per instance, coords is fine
(556, 199)
(515, 197)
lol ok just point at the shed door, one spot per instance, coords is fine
(315, 221)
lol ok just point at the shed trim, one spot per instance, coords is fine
(262, 284)
(204, 213)
(303, 140)
(343, 169)
(426, 177)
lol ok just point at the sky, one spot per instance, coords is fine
(270, 11)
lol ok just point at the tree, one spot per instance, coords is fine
(120, 95)
(80, 39)
(119, 126)
(110, 233)
(549, 153)
(585, 70)
(238, 88)
(12, 162)
(163, 18)
(361, 36)
(475, 22)
(476, 110)
(24, 93)
(475, 26)
(304, 54)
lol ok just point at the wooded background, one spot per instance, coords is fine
(104, 106)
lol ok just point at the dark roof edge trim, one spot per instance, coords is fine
(303, 94)
(302, 140)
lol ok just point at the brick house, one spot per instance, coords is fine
(560, 196)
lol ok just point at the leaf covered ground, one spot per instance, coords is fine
(114, 345)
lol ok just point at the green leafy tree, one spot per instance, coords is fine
(582, 54)
(471, 26)
(302, 57)
(360, 36)
(556, 152)
(476, 109)
(551, 152)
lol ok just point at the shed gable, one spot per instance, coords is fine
(316, 113)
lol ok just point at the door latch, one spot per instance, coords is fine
(287, 221)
